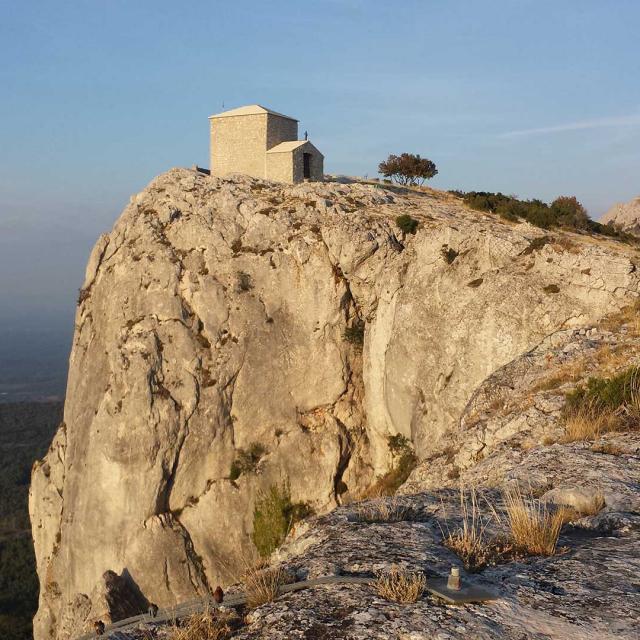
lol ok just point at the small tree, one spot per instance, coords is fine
(569, 212)
(407, 169)
(407, 223)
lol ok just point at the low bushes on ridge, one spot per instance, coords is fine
(564, 211)
(603, 404)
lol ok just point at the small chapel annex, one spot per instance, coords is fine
(262, 143)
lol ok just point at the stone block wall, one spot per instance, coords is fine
(280, 167)
(279, 130)
(238, 145)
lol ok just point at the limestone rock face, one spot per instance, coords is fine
(588, 590)
(520, 407)
(213, 318)
(626, 216)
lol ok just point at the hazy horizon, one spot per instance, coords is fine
(535, 98)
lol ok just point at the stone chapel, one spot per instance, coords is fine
(262, 143)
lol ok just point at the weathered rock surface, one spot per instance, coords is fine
(113, 598)
(213, 316)
(519, 407)
(590, 589)
(625, 216)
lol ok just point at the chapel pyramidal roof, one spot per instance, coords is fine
(249, 110)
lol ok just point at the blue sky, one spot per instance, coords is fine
(533, 97)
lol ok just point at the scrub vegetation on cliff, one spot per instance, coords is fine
(404, 461)
(564, 211)
(602, 405)
(273, 517)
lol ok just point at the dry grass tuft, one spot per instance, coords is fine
(608, 359)
(263, 584)
(567, 372)
(529, 527)
(381, 510)
(399, 585)
(208, 625)
(595, 505)
(588, 423)
(569, 514)
(629, 316)
(469, 541)
(603, 405)
(561, 243)
(533, 525)
(608, 448)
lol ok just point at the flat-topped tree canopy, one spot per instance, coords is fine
(250, 110)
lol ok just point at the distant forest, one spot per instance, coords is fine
(26, 430)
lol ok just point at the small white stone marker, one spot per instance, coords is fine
(454, 582)
(452, 590)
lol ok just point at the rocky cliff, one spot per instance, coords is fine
(510, 434)
(222, 316)
(625, 216)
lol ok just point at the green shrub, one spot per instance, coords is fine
(449, 254)
(246, 461)
(602, 405)
(568, 212)
(511, 208)
(398, 445)
(407, 224)
(606, 394)
(355, 334)
(540, 216)
(404, 462)
(564, 211)
(408, 168)
(273, 516)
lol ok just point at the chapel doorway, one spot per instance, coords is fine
(306, 165)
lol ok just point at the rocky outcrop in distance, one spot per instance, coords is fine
(624, 216)
(226, 316)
